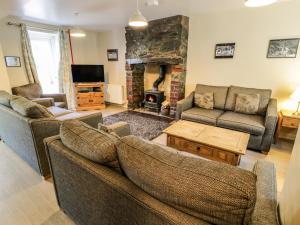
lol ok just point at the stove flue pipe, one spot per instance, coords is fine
(162, 75)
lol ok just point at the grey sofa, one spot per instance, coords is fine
(261, 126)
(94, 194)
(34, 93)
(25, 135)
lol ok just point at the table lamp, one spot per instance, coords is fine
(296, 96)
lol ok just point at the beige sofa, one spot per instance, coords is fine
(25, 135)
(260, 126)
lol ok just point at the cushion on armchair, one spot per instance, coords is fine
(219, 93)
(95, 145)
(265, 96)
(5, 98)
(29, 91)
(214, 192)
(247, 103)
(29, 109)
(204, 100)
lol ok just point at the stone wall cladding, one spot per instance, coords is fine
(164, 41)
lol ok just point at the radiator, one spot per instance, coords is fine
(114, 93)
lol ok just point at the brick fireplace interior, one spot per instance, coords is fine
(163, 44)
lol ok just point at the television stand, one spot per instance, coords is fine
(89, 96)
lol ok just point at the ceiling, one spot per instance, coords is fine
(105, 14)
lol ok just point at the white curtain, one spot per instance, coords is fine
(28, 56)
(65, 74)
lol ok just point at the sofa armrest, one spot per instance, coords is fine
(271, 117)
(184, 105)
(41, 129)
(122, 129)
(265, 211)
(56, 97)
(47, 102)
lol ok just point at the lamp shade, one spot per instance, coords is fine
(296, 94)
(138, 20)
(259, 3)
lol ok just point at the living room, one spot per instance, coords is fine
(147, 111)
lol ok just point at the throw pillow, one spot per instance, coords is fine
(211, 191)
(95, 145)
(29, 109)
(204, 100)
(247, 103)
(5, 98)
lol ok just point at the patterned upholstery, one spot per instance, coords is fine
(204, 100)
(202, 115)
(95, 145)
(247, 103)
(265, 96)
(214, 192)
(252, 124)
(220, 94)
(29, 109)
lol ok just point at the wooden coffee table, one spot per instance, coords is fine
(214, 143)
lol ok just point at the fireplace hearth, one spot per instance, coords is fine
(154, 98)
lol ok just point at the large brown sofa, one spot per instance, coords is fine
(25, 135)
(157, 186)
(260, 126)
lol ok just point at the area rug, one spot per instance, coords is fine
(143, 125)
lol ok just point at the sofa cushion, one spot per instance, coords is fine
(204, 100)
(207, 116)
(29, 91)
(60, 104)
(265, 96)
(214, 192)
(220, 94)
(57, 111)
(5, 98)
(29, 109)
(247, 103)
(252, 124)
(95, 145)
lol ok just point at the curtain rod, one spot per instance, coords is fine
(37, 28)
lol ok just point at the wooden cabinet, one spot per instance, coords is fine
(90, 96)
(286, 119)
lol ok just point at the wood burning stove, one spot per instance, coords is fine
(153, 98)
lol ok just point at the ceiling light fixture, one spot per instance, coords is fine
(77, 32)
(259, 3)
(137, 19)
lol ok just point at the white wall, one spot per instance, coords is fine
(4, 80)
(290, 196)
(85, 49)
(251, 29)
(114, 70)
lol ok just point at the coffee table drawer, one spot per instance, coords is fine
(203, 150)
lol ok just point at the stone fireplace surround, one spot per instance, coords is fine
(165, 42)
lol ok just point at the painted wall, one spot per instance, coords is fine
(289, 199)
(4, 80)
(85, 49)
(251, 29)
(114, 70)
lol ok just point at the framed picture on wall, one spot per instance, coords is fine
(224, 51)
(12, 61)
(112, 55)
(283, 48)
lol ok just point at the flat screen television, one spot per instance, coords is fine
(88, 73)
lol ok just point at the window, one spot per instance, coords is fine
(45, 50)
